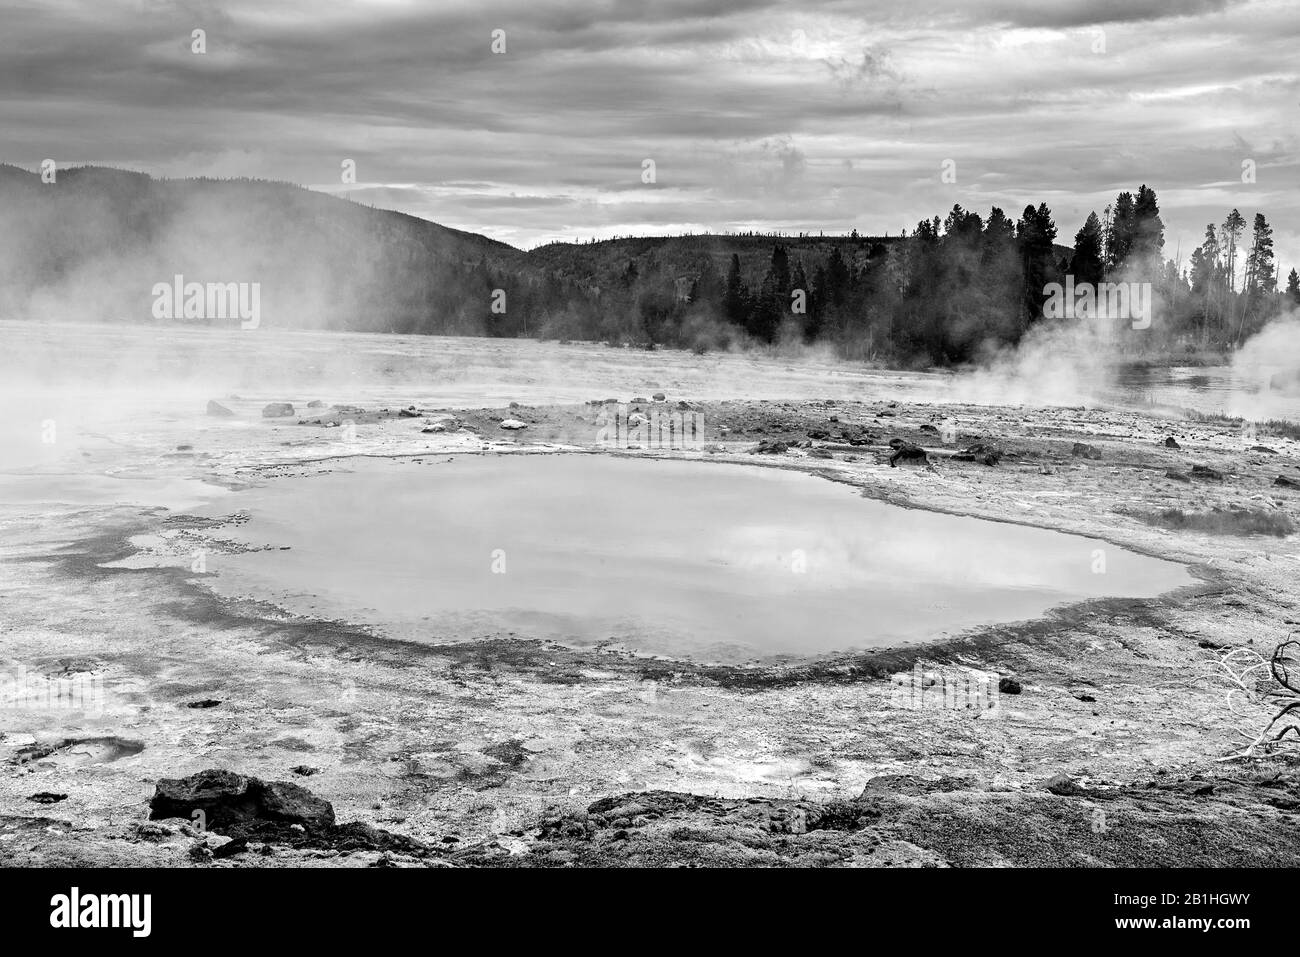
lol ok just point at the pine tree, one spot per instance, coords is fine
(734, 299)
(1148, 230)
(1086, 264)
(1119, 237)
(1293, 288)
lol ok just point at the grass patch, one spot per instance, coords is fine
(1235, 521)
(1279, 427)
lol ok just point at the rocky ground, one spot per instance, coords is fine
(1106, 746)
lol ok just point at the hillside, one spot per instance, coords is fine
(93, 244)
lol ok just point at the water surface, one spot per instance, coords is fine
(686, 559)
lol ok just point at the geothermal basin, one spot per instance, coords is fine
(687, 559)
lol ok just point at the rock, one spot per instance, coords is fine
(1177, 476)
(1263, 448)
(47, 797)
(1205, 472)
(305, 770)
(658, 397)
(231, 800)
(1081, 696)
(1171, 443)
(205, 703)
(237, 845)
(1009, 686)
(820, 454)
(408, 413)
(277, 410)
(315, 404)
(216, 408)
(1064, 785)
(436, 427)
(1285, 482)
(639, 399)
(1085, 451)
(770, 448)
(513, 424)
(980, 453)
(819, 434)
(928, 428)
(184, 448)
(906, 452)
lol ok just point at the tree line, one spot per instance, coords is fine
(947, 293)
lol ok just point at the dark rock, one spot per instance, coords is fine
(820, 454)
(981, 453)
(411, 413)
(205, 703)
(928, 428)
(305, 770)
(277, 410)
(1263, 448)
(1205, 472)
(1171, 443)
(216, 408)
(819, 434)
(1081, 696)
(228, 799)
(1177, 476)
(906, 452)
(1085, 451)
(184, 448)
(237, 845)
(1009, 686)
(1064, 785)
(1285, 482)
(658, 397)
(766, 447)
(47, 797)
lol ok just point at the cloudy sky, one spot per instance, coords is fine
(825, 115)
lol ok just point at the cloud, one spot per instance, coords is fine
(834, 115)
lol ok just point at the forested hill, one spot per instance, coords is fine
(94, 243)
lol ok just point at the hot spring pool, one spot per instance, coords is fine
(710, 561)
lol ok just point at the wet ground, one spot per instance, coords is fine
(1105, 745)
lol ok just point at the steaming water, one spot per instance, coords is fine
(684, 559)
(1232, 390)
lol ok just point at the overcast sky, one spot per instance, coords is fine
(834, 115)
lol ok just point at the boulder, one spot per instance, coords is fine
(1085, 451)
(1064, 785)
(216, 408)
(1177, 476)
(658, 397)
(1009, 686)
(277, 410)
(1172, 443)
(906, 452)
(230, 800)
(770, 448)
(1205, 472)
(513, 424)
(1286, 482)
